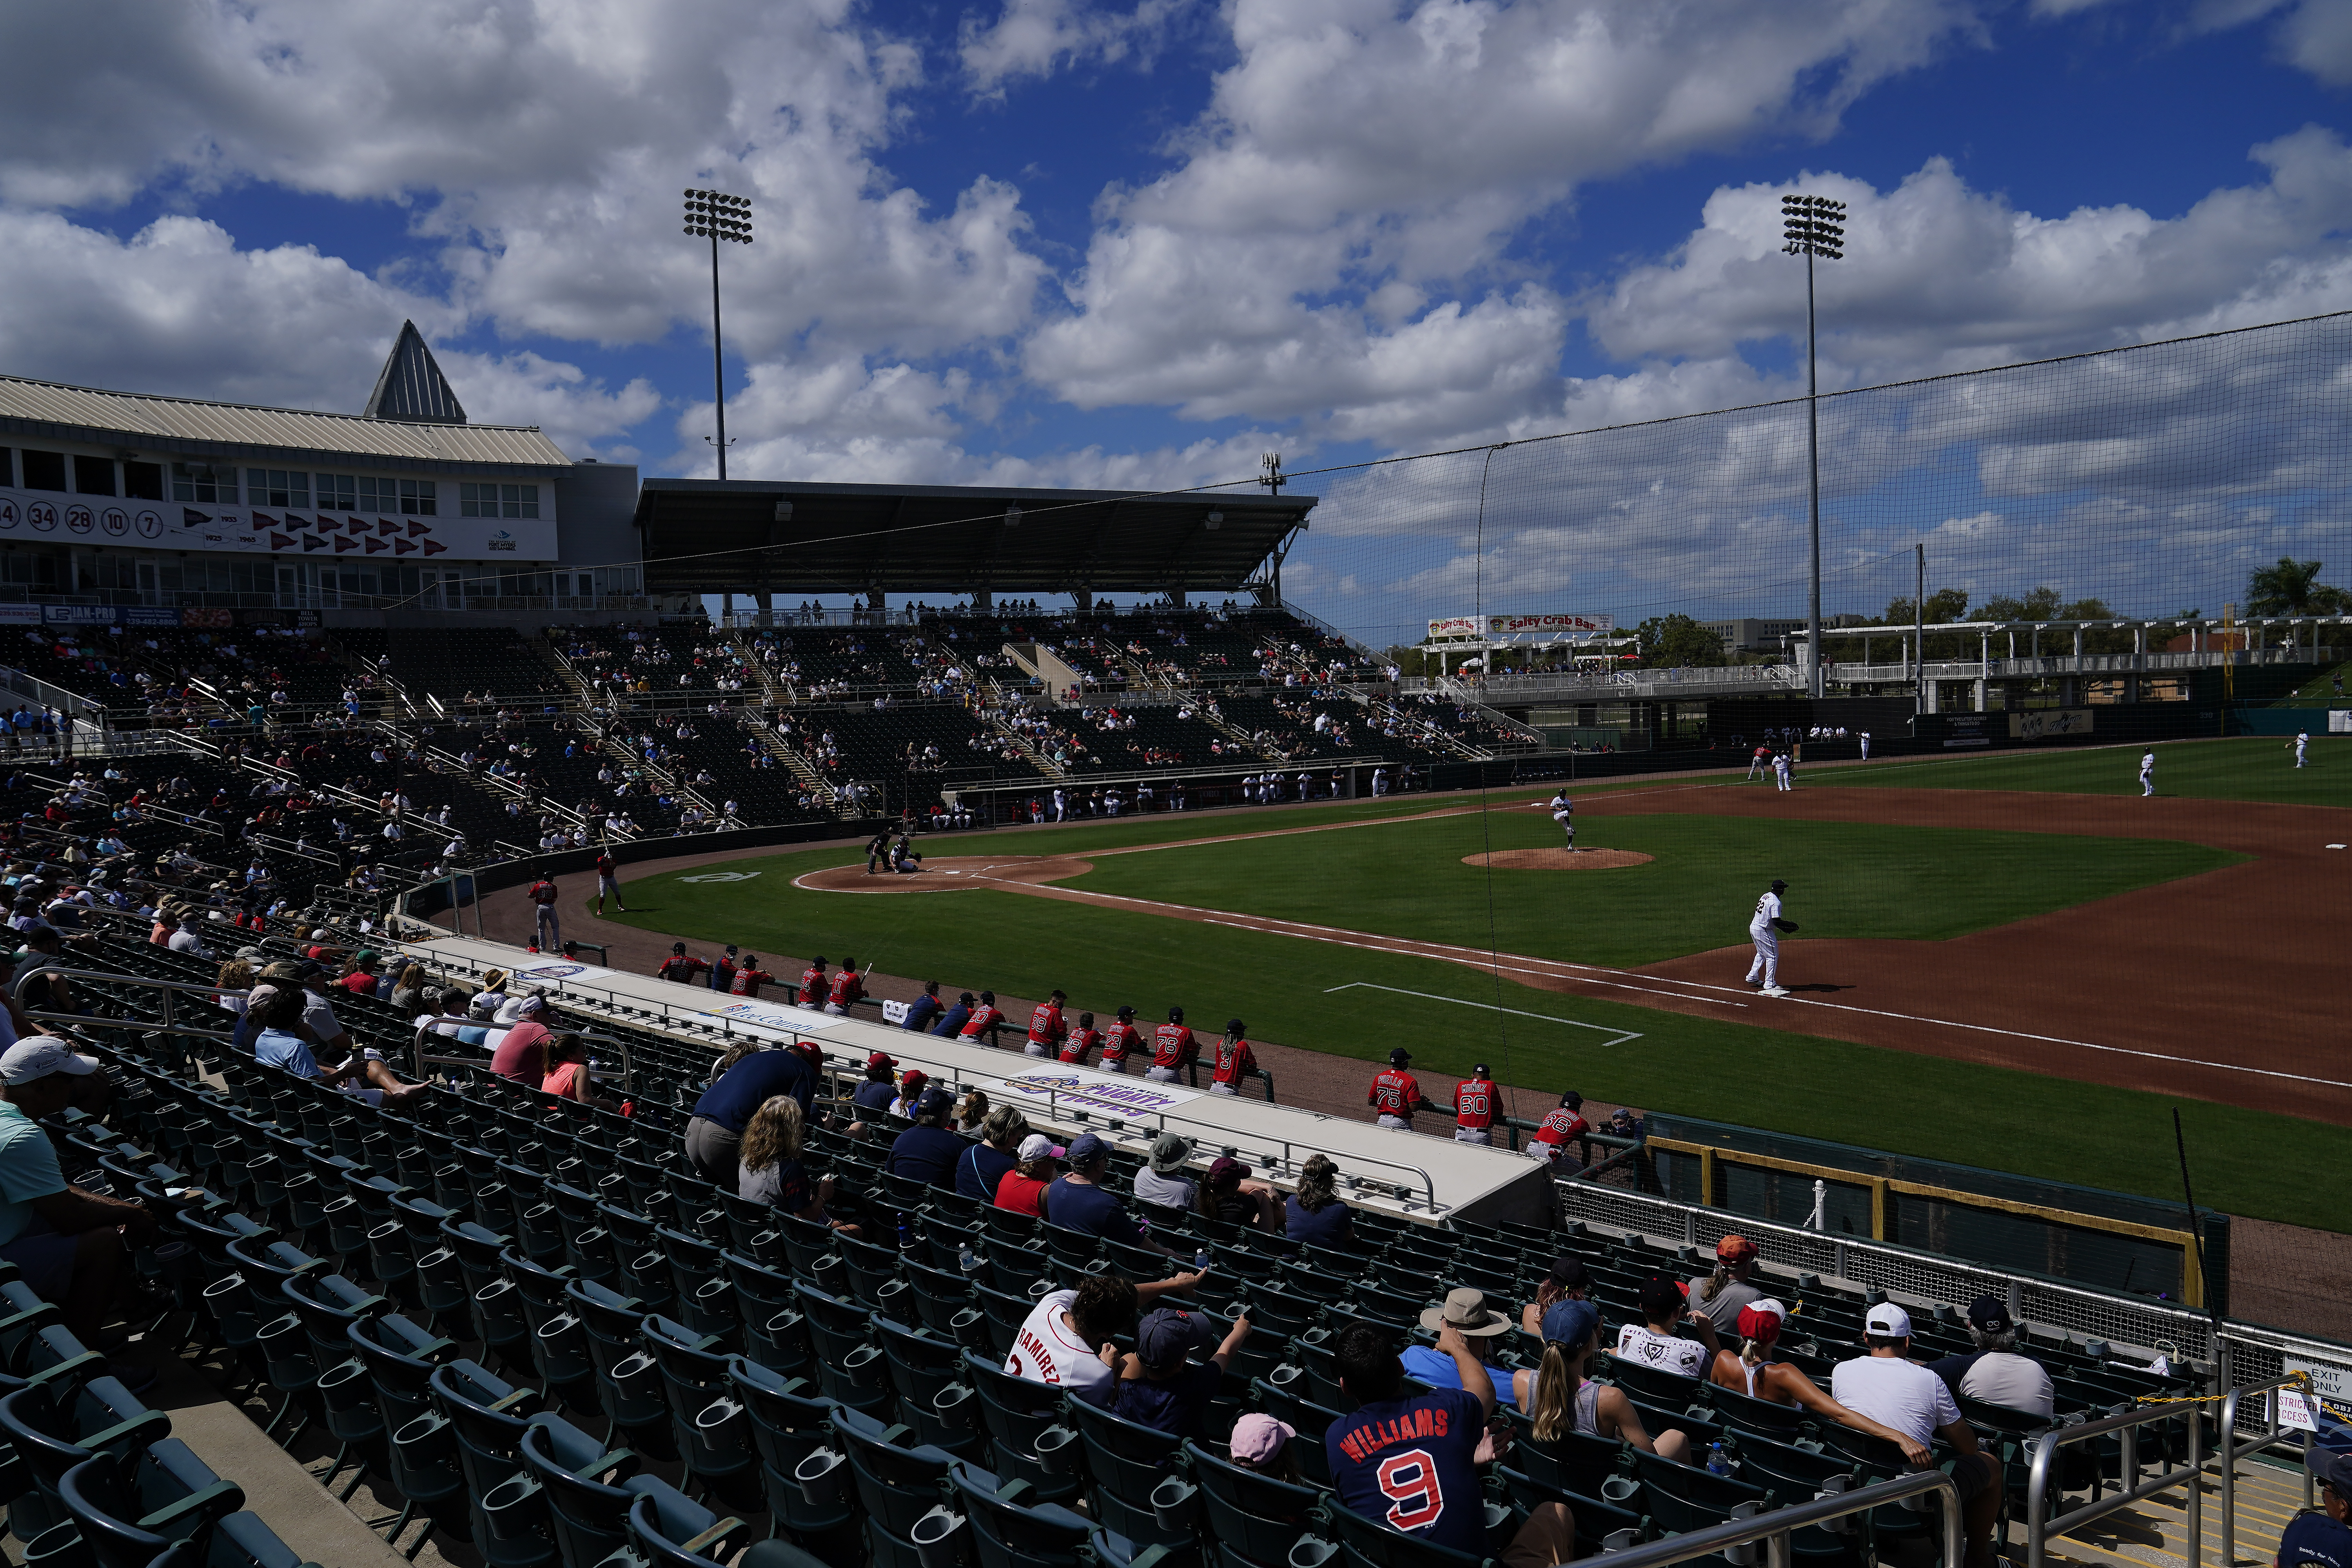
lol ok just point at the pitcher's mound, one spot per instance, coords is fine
(1559, 859)
(945, 874)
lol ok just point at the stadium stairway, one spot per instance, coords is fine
(2154, 1534)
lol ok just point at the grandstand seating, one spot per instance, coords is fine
(490, 660)
(458, 1302)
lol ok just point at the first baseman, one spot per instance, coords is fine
(1764, 928)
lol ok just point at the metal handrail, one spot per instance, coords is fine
(2039, 1531)
(1774, 1528)
(168, 987)
(425, 1025)
(2231, 1454)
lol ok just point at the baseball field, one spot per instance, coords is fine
(2005, 961)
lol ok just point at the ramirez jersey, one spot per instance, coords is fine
(1768, 909)
(1474, 1103)
(1394, 1093)
(1172, 1046)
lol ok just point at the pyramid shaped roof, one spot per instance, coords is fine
(412, 388)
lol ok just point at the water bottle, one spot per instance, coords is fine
(1717, 1462)
(1200, 1261)
(967, 1261)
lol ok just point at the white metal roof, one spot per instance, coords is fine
(191, 425)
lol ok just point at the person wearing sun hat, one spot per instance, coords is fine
(1751, 1371)
(1719, 1295)
(1020, 1188)
(1888, 1387)
(1481, 1327)
(1163, 1182)
(67, 1244)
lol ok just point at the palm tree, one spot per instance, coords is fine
(2292, 588)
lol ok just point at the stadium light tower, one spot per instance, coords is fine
(1813, 226)
(720, 216)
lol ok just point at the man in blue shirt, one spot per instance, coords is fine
(923, 1009)
(2320, 1536)
(1411, 1462)
(928, 1151)
(1079, 1201)
(953, 1021)
(1466, 1313)
(715, 1131)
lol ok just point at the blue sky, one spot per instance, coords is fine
(1048, 242)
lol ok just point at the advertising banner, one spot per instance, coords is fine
(1965, 730)
(1555, 626)
(2050, 723)
(1454, 627)
(149, 616)
(1087, 1089)
(2340, 721)
(20, 615)
(80, 614)
(171, 525)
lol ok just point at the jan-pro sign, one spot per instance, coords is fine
(266, 531)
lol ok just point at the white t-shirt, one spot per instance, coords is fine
(1895, 1392)
(2013, 1382)
(1047, 1352)
(1674, 1353)
(1167, 1191)
(1768, 909)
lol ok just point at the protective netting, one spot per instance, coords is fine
(2146, 480)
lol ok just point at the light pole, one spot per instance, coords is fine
(1813, 226)
(720, 216)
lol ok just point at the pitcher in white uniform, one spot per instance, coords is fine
(1764, 930)
(2146, 774)
(1563, 811)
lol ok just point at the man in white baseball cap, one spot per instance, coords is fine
(69, 1245)
(1892, 1389)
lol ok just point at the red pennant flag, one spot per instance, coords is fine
(279, 542)
(263, 519)
(344, 545)
(327, 524)
(402, 547)
(356, 524)
(374, 545)
(417, 529)
(384, 526)
(433, 548)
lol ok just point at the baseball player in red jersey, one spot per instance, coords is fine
(1474, 1107)
(849, 986)
(1046, 1030)
(1172, 1049)
(749, 977)
(1551, 1139)
(680, 966)
(1235, 1060)
(608, 880)
(550, 928)
(1395, 1095)
(984, 1017)
(1124, 1040)
(1085, 1037)
(815, 984)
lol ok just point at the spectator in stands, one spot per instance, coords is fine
(521, 1053)
(1163, 1183)
(1448, 1428)
(1079, 1202)
(1229, 1196)
(1749, 1371)
(911, 1084)
(234, 978)
(1885, 1386)
(1568, 1281)
(772, 1170)
(873, 1096)
(1996, 1374)
(408, 990)
(186, 937)
(1657, 1341)
(1559, 1396)
(923, 1009)
(568, 1077)
(1160, 1385)
(1066, 1341)
(69, 1245)
(928, 1151)
(1020, 1188)
(1262, 1444)
(970, 1111)
(1723, 1294)
(1466, 1313)
(983, 1165)
(1314, 1215)
(2319, 1537)
(360, 979)
(953, 1021)
(285, 1042)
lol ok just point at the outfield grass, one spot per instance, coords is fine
(1352, 1003)
(1847, 880)
(2319, 691)
(2245, 767)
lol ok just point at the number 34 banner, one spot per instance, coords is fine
(170, 525)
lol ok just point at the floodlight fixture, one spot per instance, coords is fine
(716, 216)
(1813, 226)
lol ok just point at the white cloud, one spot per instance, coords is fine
(574, 410)
(1038, 38)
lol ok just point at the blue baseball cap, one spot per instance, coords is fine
(1087, 1149)
(1167, 1335)
(1570, 1324)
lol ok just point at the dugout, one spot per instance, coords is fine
(2086, 1236)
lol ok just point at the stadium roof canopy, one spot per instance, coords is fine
(709, 536)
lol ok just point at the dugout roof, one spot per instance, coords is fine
(707, 536)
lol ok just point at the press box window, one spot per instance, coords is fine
(337, 492)
(45, 470)
(93, 476)
(275, 486)
(205, 482)
(143, 482)
(498, 500)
